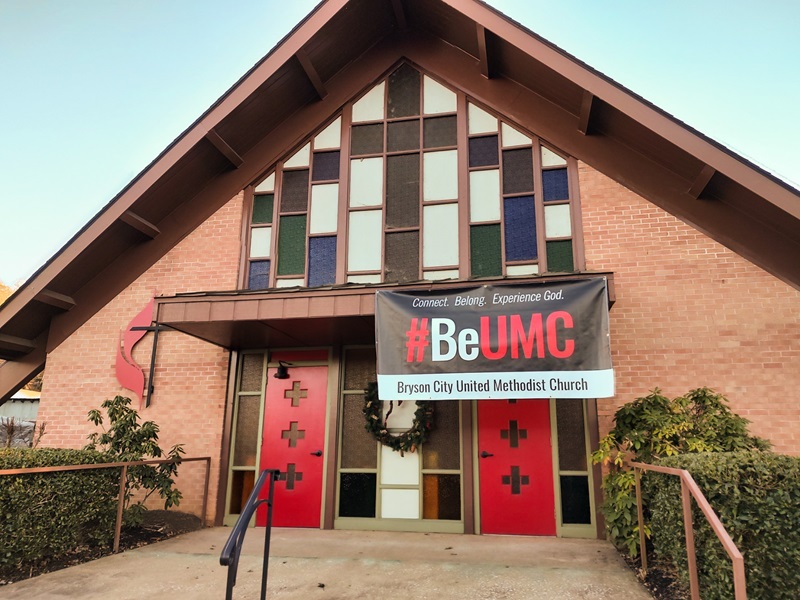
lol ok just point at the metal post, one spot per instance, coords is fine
(267, 536)
(686, 500)
(120, 504)
(640, 513)
(739, 584)
(205, 490)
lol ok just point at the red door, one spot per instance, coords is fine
(294, 433)
(516, 467)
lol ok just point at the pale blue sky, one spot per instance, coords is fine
(92, 90)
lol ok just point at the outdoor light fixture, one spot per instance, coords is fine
(283, 370)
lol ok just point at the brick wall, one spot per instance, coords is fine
(691, 313)
(191, 375)
(688, 313)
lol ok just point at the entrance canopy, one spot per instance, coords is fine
(301, 317)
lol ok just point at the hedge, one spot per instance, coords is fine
(47, 515)
(757, 497)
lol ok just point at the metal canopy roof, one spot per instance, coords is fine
(339, 314)
(336, 52)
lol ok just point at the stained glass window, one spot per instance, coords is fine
(326, 166)
(427, 177)
(403, 135)
(259, 275)
(528, 198)
(559, 257)
(294, 194)
(404, 88)
(485, 251)
(439, 132)
(321, 261)
(402, 256)
(520, 228)
(366, 139)
(483, 151)
(402, 191)
(262, 208)
(292, 245)
(573, 464)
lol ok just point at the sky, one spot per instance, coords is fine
(91, 91)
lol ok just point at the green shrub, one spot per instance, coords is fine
(653, 427)
(126, 439)
(757, 497)
(46, 515)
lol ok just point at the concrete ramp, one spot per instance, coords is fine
(313, 564)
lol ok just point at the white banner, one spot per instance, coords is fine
(497, 386)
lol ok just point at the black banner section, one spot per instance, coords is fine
(539, 340)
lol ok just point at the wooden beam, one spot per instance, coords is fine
(15, 344)
(399, 14)
(483, 52)
(131, 219)
(55, 299)
(311, 73)
(701, 181)
(585, 117)
(14, 374)
(224, 148)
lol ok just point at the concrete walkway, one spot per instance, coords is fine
(331, 565)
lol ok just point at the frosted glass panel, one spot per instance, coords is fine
(252, 372)
(300, 159)
(484, 195)
(480, 121)
(287, 283)
(514, 270)
(359, 448)
(551, 159)
(372, 278)
(400, 504)
(330, 137)
(260, 241)
(436, 97)
(370, 107)
(324, 208)
(364, 240)
(440, 175)
(366, 182)
(267, 185)
(440, 235)
(246, 445)
(512, 137)
(557, 221)
(440, 275)
(397, 469)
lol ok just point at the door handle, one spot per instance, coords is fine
(317, 453)
(486, 454)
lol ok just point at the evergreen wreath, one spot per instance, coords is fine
(408, 441)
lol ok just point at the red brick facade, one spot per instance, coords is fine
(191, 375)
(688, 313)
(691, 313)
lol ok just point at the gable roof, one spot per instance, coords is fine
(327, 59)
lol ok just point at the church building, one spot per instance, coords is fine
(446, 157)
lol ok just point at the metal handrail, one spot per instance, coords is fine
(689, 486)
(122, 480)
(233, 547)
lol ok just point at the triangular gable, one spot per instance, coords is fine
(323, 63)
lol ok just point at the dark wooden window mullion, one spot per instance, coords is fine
(538, 198)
